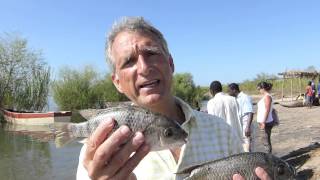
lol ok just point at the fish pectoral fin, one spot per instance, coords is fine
(62, 134)
(62, 139)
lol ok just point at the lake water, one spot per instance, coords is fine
(26, 153)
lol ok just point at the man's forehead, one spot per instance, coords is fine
(131, 40)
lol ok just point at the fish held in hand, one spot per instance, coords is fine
(159, 131)
(245, 165)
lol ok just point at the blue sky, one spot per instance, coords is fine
(230, 41)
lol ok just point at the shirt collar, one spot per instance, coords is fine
(188, 112)
(240, 94)
(219, 94)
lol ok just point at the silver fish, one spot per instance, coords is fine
(160, 132)
(243, 164)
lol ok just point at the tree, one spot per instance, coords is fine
(81, 89)
(311, 69)
(265, 76)
(107, 92)
(184, 88)
(24, 76)
(73, 89)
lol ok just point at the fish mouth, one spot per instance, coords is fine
(149, 84)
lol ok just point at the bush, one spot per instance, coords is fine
(82, 89)
(184, 88)
(24, 78)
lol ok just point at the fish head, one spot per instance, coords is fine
(282, 170)
(165, 133)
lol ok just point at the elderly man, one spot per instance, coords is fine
(142, 69)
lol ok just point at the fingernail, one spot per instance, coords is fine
(108, 122)
(259, 170)
(125, 130)
(138, 138)
(237, 177)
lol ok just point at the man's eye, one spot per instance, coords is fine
(151, 53)
(128, 62)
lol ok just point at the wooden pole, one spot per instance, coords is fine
(291, 89)
(299, 86)
(282, 89)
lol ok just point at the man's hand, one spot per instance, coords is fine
(108, 156)
(262, 125)
(261, 173)
(247, 131)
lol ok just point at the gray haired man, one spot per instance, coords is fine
(142, 69)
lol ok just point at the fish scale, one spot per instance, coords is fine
(160, 131)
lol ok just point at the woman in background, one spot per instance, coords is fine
(264, 115)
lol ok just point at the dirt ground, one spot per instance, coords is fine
(297, 139)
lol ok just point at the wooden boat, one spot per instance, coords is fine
(36, 118)
(291, 104)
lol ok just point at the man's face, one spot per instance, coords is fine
(142, 70)
(232, 92)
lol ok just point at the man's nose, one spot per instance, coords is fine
(143, 65)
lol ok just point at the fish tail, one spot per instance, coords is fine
(62, 134)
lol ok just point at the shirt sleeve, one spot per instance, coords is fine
(247, 105)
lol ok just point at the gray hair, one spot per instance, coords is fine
(132, 24)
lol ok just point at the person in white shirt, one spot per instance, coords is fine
(245, 114)
(142, 68)
(264, 115)
(225, 107)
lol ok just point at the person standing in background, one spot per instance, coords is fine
(309, 93)
(318, 89)
(264, 115)
(245, 114)
(225, 107)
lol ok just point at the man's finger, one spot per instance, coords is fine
(237, 177)
(122, 156)
(262, 174)
(98, 136)
(133, 162)
(106, 150)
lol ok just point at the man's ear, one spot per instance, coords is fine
(171, 64)
(116, 82)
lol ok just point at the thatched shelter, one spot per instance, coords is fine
(297, 74)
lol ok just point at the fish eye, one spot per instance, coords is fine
(168, 132)
(280, 169)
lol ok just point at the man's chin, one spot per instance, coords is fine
(150, 100)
